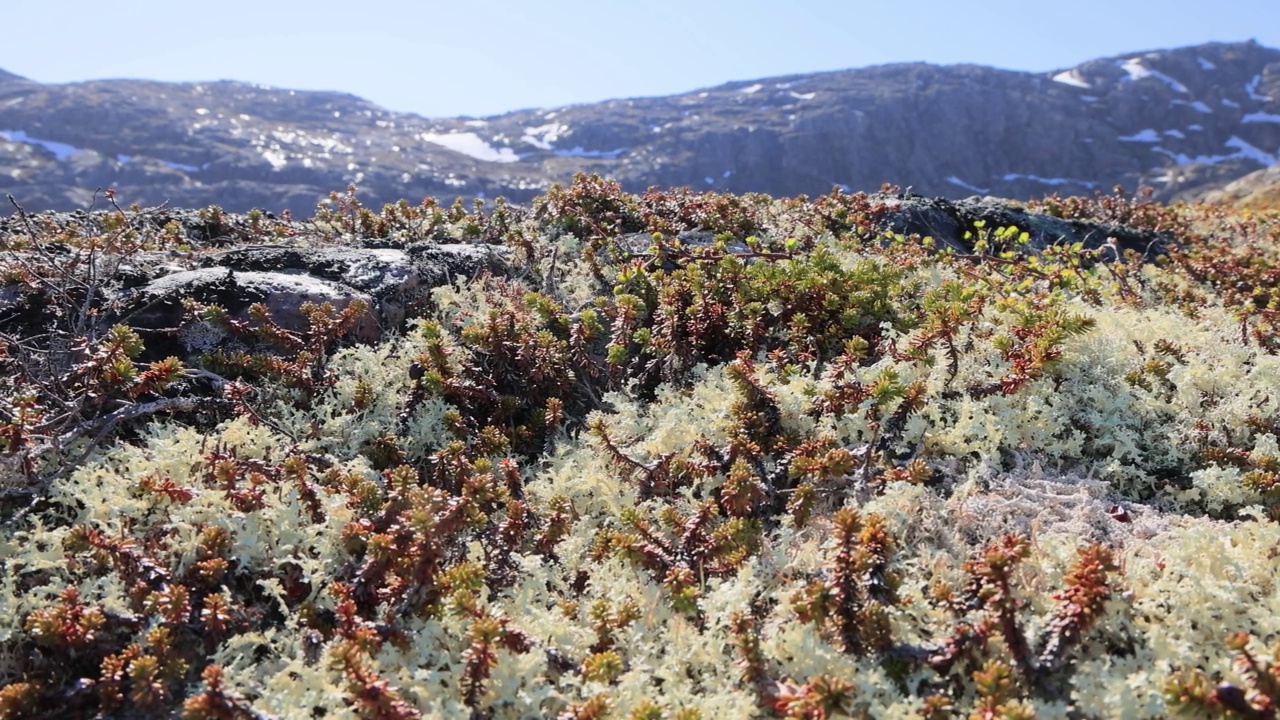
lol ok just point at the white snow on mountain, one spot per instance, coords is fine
(1147, 135)
(1072, 77)
(1243, 150)
(1138, 71)
(1197, 105)
(1251, 87)
(60, 150)
(471, 145)
(580, 152)
(1010, 177)
(971, 188)
(544, 137)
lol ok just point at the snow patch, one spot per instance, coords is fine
(476, 123)
(727, 173)
(61, 151)
(1246, 150)
(1261, 117)
(1175, 133)
(1197, 105)
(1230, 103)
(544, 137)
(752, 89)
(1089, 98)
(710, 180)
(1147, 135)
(972, 188)
(1049, 181)
(579, 152)
(193, 168)
(803, 96)
(1205, 64)
(1072, 77)
(1184, 159)
(471, 145)
(1137, 71)
(1243, 151)
(278, 158)
(1196, 128)
(1251, 87)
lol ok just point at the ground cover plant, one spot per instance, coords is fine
(697, 455)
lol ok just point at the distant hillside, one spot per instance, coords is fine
(1184, 121)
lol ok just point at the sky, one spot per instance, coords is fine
(443, 59)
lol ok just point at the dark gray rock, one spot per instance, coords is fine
(157, 306)
(441, 264)
(947, 222)
(394, 278)
(374, 271)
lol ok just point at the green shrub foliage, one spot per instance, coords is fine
(699, 455)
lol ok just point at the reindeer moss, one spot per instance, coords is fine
(798, 470)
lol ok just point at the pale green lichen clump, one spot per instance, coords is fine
(832, 475)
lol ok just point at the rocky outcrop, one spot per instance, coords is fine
(158, 305)
(1182, 121)
(957, 225)
(149, 290)
(390, 278)
(1259, 189)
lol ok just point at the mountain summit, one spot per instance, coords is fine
(1184, 121)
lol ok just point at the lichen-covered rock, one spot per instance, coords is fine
(374, 271)
(158, 305)
(394, 278)
(948, 221)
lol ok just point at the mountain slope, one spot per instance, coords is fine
(1259, 190)
(1184, 121)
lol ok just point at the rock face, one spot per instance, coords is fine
(1183, 121)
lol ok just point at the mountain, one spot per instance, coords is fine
(1184, 121)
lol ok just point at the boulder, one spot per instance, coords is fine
(157, 305)
(283, 277)
(394, 278)
(947, 222)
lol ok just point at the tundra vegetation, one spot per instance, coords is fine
(798, 468)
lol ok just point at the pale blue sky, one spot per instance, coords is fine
(456, 58)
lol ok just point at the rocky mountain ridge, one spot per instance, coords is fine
(1185, 122)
